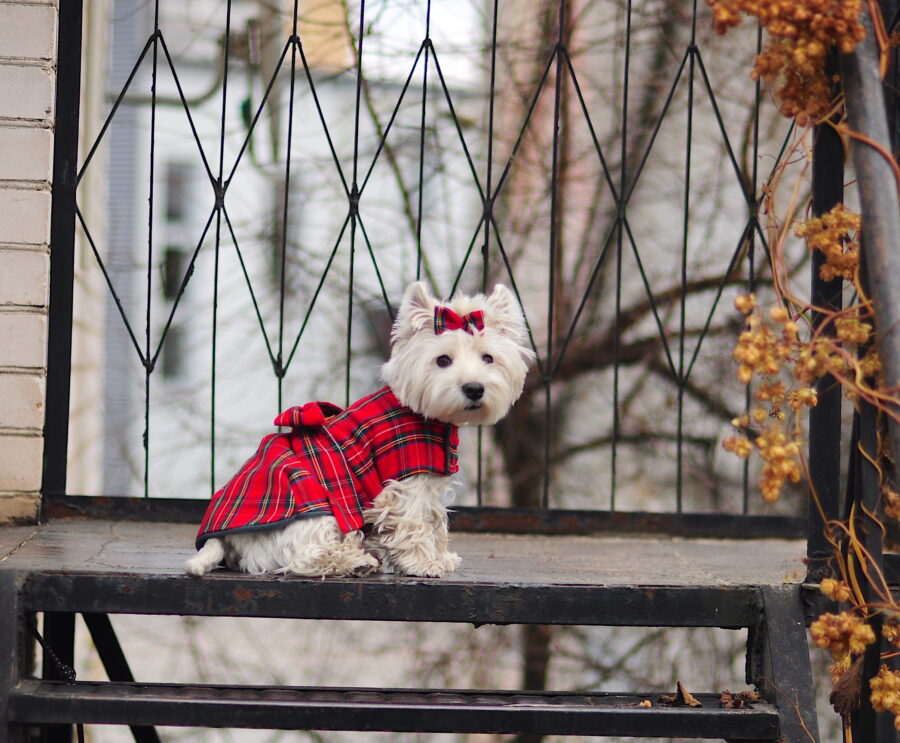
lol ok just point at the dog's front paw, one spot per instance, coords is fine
(451, 561)
(367, 565)
(424, 568)
(196, 566)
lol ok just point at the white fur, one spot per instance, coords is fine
(311, 547)
(408, 519)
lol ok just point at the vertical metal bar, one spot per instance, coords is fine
(213, 349)
(427, 44)
(59, 635)
(751, 252)
(220, 205)
(554, 248)
(12, 650)
(825, 418)
(285, 210)
(488, 214)
(148, 350)
(489, 195)
(866, 497)
(682, 324)
(864, 504)
(620, 235)
(616, 423)
(354, 196)
(62, 247)
(348, 349)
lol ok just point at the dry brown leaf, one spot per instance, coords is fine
(740, 700)
(845, 695)
(681, 698)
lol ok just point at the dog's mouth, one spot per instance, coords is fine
(474, 406)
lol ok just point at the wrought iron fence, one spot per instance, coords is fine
(266, 179)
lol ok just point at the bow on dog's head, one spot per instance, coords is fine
(446, 319)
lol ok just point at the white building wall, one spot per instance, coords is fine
(27, 90)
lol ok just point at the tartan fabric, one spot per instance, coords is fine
(446, 319)
(337, 466)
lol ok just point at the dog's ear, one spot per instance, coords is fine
(416, 311)
(505, 314)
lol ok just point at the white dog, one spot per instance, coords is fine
(352, 491)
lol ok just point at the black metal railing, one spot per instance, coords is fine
(596, 173)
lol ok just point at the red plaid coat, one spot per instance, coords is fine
(332, 462)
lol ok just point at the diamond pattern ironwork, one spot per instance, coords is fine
(617, 249)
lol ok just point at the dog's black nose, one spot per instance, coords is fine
(473, 390)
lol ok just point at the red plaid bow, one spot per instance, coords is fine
(309, 415)
(446, 319)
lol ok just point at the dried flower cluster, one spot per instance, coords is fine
(781, 457)
(890, 631)
(793, 60)
(769, 346)
(764, 348)
(835, 234)
(841, 634)
(836, 590)
(886, 693)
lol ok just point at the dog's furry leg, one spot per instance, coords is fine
(410, 525)
(209, 557)
(310, 547)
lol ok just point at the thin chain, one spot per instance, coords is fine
(65, 670)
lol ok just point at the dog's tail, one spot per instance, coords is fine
(209, 556)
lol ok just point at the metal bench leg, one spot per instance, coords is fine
(12, 652)
(778, 662)
(59, 634)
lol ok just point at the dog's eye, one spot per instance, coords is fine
(487, 359)
(443, 360)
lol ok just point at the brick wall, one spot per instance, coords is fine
(27, 83)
